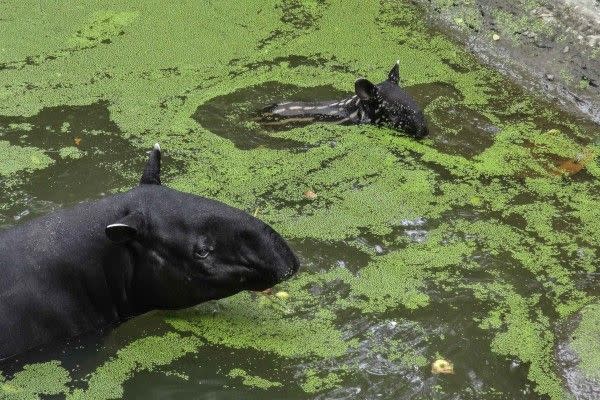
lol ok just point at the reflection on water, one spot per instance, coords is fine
(82, 142)
(90, 159)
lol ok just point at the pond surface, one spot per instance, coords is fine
(476, 245)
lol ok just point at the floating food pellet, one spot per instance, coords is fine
(282, 295)
(309, 194)
(496, 37)
(442, 366)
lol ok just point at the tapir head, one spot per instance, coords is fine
(388, 104)
(188, 249)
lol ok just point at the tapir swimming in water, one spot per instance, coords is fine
(102, 262)
(385, 104)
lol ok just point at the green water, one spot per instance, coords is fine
(473, 245)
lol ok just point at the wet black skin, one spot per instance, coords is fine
(385, 104)
(102, 262)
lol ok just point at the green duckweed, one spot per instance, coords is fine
(585, 341)
(35, 380)
(16, 158)
(251, 380)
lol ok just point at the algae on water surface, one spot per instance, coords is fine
(585, 341)
(486, 246)
(16, 158)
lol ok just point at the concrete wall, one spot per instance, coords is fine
(551, 46)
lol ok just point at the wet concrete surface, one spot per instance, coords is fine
(548, 46)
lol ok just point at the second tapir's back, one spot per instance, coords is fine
(385, 104)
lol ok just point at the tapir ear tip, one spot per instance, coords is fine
(151, 174)
(394, 74)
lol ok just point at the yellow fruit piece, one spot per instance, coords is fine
(442, 366)
(282, 295)
(309, 194)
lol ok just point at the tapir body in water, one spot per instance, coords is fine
(102, 262)
(385, 104)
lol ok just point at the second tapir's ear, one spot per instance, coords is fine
(124, 230)
(394, 75)
(151, 175)
(365, 90)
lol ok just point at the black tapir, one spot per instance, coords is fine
(383, 104)
(101, 262)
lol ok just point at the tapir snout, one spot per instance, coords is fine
(284, 261)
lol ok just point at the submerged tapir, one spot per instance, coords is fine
(101, 262)
(385, 104)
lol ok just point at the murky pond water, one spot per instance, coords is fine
(476, 245)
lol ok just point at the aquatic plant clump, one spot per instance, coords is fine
(485, 233)
(35, 380)
(16, 158)
(253, 381)
(585, 341)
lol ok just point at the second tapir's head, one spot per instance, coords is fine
(186, 249)
(388, 104)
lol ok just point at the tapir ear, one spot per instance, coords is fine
(125, 229)
(364, 89)
(394, 75)
(151, 175)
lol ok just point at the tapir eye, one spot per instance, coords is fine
(202, 252)
(204, 246)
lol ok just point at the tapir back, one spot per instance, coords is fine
(52, 281)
